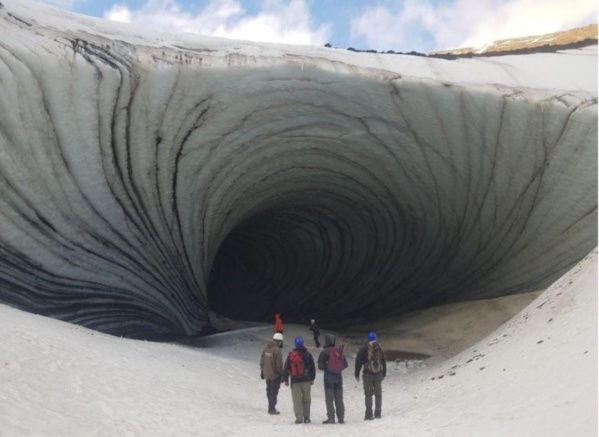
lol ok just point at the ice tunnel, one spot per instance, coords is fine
(146, 182)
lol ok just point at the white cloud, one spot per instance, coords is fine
(278, 21)
(119, 13)
(422, 26)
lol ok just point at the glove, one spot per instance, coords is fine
(357, 379)
(261, 375)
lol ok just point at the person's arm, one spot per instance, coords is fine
(285, 377)
(358, 366)
(279, 362)
(384, 363)
(311, 369)
(322, 359)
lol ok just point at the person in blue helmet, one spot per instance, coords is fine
(299, 367)
(372, 359)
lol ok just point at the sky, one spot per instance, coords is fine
(400, 25)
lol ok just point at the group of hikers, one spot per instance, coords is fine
(299, 371)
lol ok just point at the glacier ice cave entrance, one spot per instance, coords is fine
(151, 187)
(300, 261)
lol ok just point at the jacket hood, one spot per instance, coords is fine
(329, 340)
(271, 345)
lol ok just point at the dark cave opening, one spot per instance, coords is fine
(333, 260)
(289, 261)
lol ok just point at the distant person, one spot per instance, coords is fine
(299, 366)
(271, 369)
(371, 357)
(278, 323)
(316, 331)
(332, 361)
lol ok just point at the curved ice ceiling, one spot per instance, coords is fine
(144, 183)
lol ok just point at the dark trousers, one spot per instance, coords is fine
(333, 394)
(316, 341)
(272, 391)
(373, 386)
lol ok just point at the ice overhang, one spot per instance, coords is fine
(143, 186)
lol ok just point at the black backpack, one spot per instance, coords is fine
(374, 362)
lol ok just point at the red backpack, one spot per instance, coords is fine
(336, 363)
(296, 364)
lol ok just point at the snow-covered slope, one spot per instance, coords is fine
(536, 376)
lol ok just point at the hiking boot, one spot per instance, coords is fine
(341, 421)
(377, 416)
(273, 412)
(331, 421)
(368, 417)
(307, 420)
(299, 421)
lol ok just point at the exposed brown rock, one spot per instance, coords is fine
(563, 38)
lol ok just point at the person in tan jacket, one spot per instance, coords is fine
(271, 369)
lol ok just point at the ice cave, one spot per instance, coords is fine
(149, 180)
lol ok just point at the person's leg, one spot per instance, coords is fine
(275, 385)
(329, 395)
(368, 392)
(339, 405)
(378, 395)
(306, 400)
(269, 394)
(296, 397)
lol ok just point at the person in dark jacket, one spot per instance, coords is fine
(316, 331)
(333, 382)
(300, 384)
(372, 376)
(271, 369)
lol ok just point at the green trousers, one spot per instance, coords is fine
(373, 386)
(300, 394)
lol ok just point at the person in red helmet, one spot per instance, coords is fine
(278, 323)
